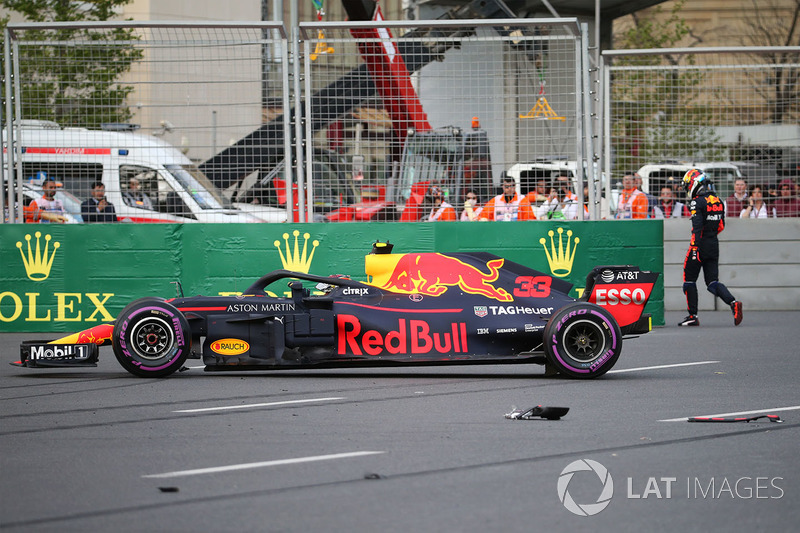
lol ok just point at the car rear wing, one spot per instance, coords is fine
(623, 290)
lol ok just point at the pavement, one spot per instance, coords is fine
(414, 449)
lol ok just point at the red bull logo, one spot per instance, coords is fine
(99, 335)
(410, 337)
(431, 274)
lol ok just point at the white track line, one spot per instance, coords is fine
(660, 367)
(246, 466)
(252, 405)
(684, 419)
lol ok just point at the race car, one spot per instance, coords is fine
(414, 309)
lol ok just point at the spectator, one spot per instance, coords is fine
(787, 204)
(651, 200)
(562, 182)
(440, 210)
(509, 205)
(667, 207)
(537, 196)
(738, 200)
(772, 190)
(676, 184)
(98, 208)
(542, 186)
(47, 209)
(756, 206)
(472, 207)
(586, 214)
(561, 202)
(632, 202)
(135, 197)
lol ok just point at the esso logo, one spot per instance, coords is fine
(620, 297)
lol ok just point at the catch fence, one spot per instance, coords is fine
(207, 95)
(351, 120)
(224, 98)
(453, 104)
(731, 111)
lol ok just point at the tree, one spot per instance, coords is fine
(72, 75)
(776, 23)
(658, 114)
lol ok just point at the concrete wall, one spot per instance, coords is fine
(759, 262)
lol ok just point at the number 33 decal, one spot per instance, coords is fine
(538, 286)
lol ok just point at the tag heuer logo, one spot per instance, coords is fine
(481, 310)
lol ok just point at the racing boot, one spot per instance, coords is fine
(738, 312)
(690, 320)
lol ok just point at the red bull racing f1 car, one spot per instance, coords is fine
(414, 309)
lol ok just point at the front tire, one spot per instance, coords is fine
(151, 338)
(582, 340)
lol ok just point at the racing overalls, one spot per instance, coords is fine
(708, 220)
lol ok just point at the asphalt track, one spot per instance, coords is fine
(416, 449)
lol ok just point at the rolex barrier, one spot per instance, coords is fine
(68, 277)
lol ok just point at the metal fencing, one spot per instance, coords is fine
(480, 96)
(452, 104)
(211, 96)
(361, 120)
(733, 112)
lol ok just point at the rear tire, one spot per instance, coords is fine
(582, 340)
(151, 338)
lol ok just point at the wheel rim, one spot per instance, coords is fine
(153, 338)
(584, 341)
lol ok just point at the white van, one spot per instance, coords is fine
(528, 174)
(174, 189)
(722, 175)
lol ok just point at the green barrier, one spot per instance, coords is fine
(65, 278)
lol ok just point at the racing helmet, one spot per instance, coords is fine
(693, 180)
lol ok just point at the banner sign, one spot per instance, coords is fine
(60, 278)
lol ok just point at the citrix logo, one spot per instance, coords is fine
(588, 509)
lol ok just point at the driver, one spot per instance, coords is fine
(708, 219)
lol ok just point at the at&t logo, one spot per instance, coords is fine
(586, 509)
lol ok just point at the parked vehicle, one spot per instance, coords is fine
(722, 174)
(175, 189)
(528, 174)
(265, 195)
(454, 159)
